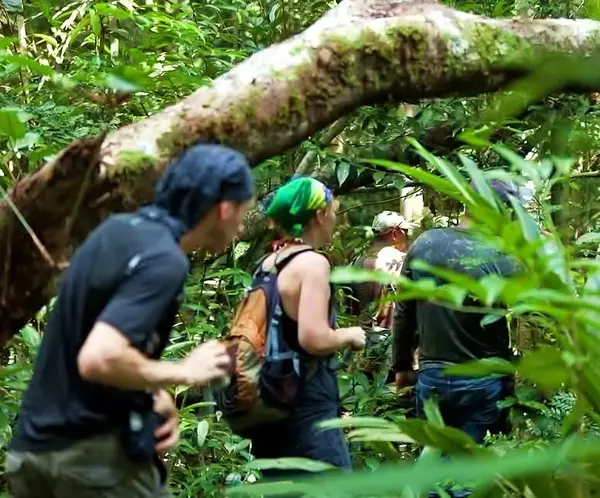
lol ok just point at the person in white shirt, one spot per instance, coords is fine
(386, 252)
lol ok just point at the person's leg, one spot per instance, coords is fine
(28, 475)
(320, 402)
(99, 467)
(300, 436)
(432, 383)
(477, 407)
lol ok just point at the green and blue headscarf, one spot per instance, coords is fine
(295, 204)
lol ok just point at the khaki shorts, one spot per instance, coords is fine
(97, 467)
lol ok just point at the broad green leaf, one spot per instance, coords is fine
(447, 439)
(432, 412)
(378, 176)
(358, 422)
(120, 84)
(482, 368)
(11, 124)
(95, 23)
(31, 336)
(589, 238)
(201, 432)
(22, 61)
(445, 168)
(370, 434)
(492, 286)
(343, 170)
(528, 224)
(27, 141)
(48, 39)
(460, 279)
(385, 480)
(483, 187)
(545, 367)
(527, 168)
(290, 463)
(352, 274)
(418, 174)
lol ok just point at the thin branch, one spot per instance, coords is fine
(44, 252)
(385, 201)
(311, 156)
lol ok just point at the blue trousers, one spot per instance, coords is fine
(298, 435)
(466, 403)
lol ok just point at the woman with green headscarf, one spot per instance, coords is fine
(305, 209)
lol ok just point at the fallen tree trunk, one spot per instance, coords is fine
(362, 51)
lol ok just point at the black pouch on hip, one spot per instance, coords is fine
(139, 439)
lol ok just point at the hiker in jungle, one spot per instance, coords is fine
(305, 210)
(96, 414)
(386, 252)
(447, 336)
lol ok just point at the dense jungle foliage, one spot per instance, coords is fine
(75, 69)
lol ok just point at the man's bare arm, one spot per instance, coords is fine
(107, 357)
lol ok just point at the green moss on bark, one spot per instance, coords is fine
(132, 162)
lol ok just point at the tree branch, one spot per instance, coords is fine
(311, 156)
(361, 52)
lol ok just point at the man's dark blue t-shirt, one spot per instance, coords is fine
(129, 273)
(445, 334)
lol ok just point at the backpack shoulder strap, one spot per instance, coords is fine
(287, 254)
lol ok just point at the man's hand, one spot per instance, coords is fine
(405, 379)
(206, 363)
(167, 435)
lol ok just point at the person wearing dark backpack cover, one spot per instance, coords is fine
(284, 380)
(96, 414)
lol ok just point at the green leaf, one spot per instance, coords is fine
(378, 176)
(481, 184)
(528, 225)
(399, 182)
(418, 174)
(588, 238)
(370, 434)
(448, 439)
(482, 368)
(31, 336)
(201, 432)
(290, 463)
(384, 481)
(545, 367)
(120, 84)
(11, 124)
(29, 63)
(27, 141)
(432, 412)
(346, 422)
(352, 274)
(527, 168)
(95, 23)
(343, 170)
(447, 169)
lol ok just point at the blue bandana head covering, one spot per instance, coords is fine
(194, 182)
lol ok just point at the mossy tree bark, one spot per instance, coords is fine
(362, 51)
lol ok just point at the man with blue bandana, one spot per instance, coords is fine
(96, 415)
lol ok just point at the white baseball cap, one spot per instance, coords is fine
(388, 220)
